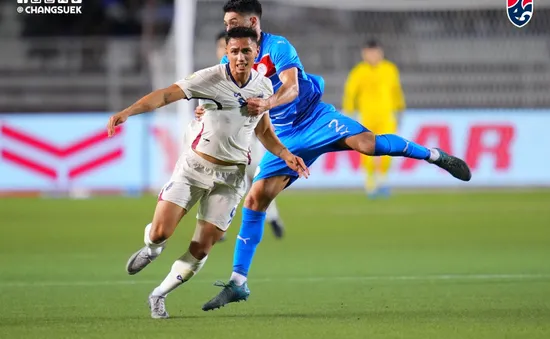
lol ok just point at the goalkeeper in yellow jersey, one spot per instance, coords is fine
(373, 90)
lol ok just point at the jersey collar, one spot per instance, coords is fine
(228, 70)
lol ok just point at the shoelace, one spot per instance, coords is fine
(159, 305)
(220, 283)
(146, 256)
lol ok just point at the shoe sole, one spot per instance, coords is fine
(217, 308)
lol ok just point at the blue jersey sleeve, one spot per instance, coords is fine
(284, 56)
(224, 60)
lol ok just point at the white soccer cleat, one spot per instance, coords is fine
(158, 307)
(139, 260)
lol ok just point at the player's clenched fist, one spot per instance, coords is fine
(257, 106)
(114, 121)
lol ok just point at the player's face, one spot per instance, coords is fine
(232, 20)
(373, 55)
(220, 48)
(241, 53)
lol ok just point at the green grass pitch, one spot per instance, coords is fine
(417, 265)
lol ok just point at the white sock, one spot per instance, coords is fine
(182, 270)
(154, 249)
(272, 213)
(239, 279)
(434, 155)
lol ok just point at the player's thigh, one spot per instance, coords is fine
(219, 206)
(175, 199)
(264, 191)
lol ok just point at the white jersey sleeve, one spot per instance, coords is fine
(201, 84)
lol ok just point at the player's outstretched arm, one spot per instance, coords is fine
(268, 138)
(148, 103)
(288, 91)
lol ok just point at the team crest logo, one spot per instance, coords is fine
(262, 69)
(520, 12)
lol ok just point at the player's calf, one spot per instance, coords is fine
(186, 267)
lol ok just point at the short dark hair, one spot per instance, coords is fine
(243, 7)
(372, 43)
(241, 32)
(221, 35)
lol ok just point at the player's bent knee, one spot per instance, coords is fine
(263, 192)
(206, 235)
(363, 143)
(251, 202)
(257, 200)
(160, 232)
(200, 250)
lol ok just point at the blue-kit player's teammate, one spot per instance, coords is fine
(309, 128)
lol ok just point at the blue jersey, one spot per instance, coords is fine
(277, 55)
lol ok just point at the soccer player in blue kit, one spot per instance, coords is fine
(309, 128)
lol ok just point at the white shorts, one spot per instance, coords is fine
(257, 151)
(219, 188)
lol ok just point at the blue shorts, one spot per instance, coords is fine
(314, 136)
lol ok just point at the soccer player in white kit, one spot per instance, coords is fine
(257, 151)
(212, 170)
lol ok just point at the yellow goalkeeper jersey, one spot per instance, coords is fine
(374, 92)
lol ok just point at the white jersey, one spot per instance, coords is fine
(227, 129)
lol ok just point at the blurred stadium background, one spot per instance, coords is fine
(474, 84)
(449, 262)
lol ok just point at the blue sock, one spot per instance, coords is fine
(394, 145)
(250, 235)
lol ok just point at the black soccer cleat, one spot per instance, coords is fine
(230, 293)
(457, 167)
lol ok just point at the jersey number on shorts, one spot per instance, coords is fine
(232, 214)
(339, 129)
